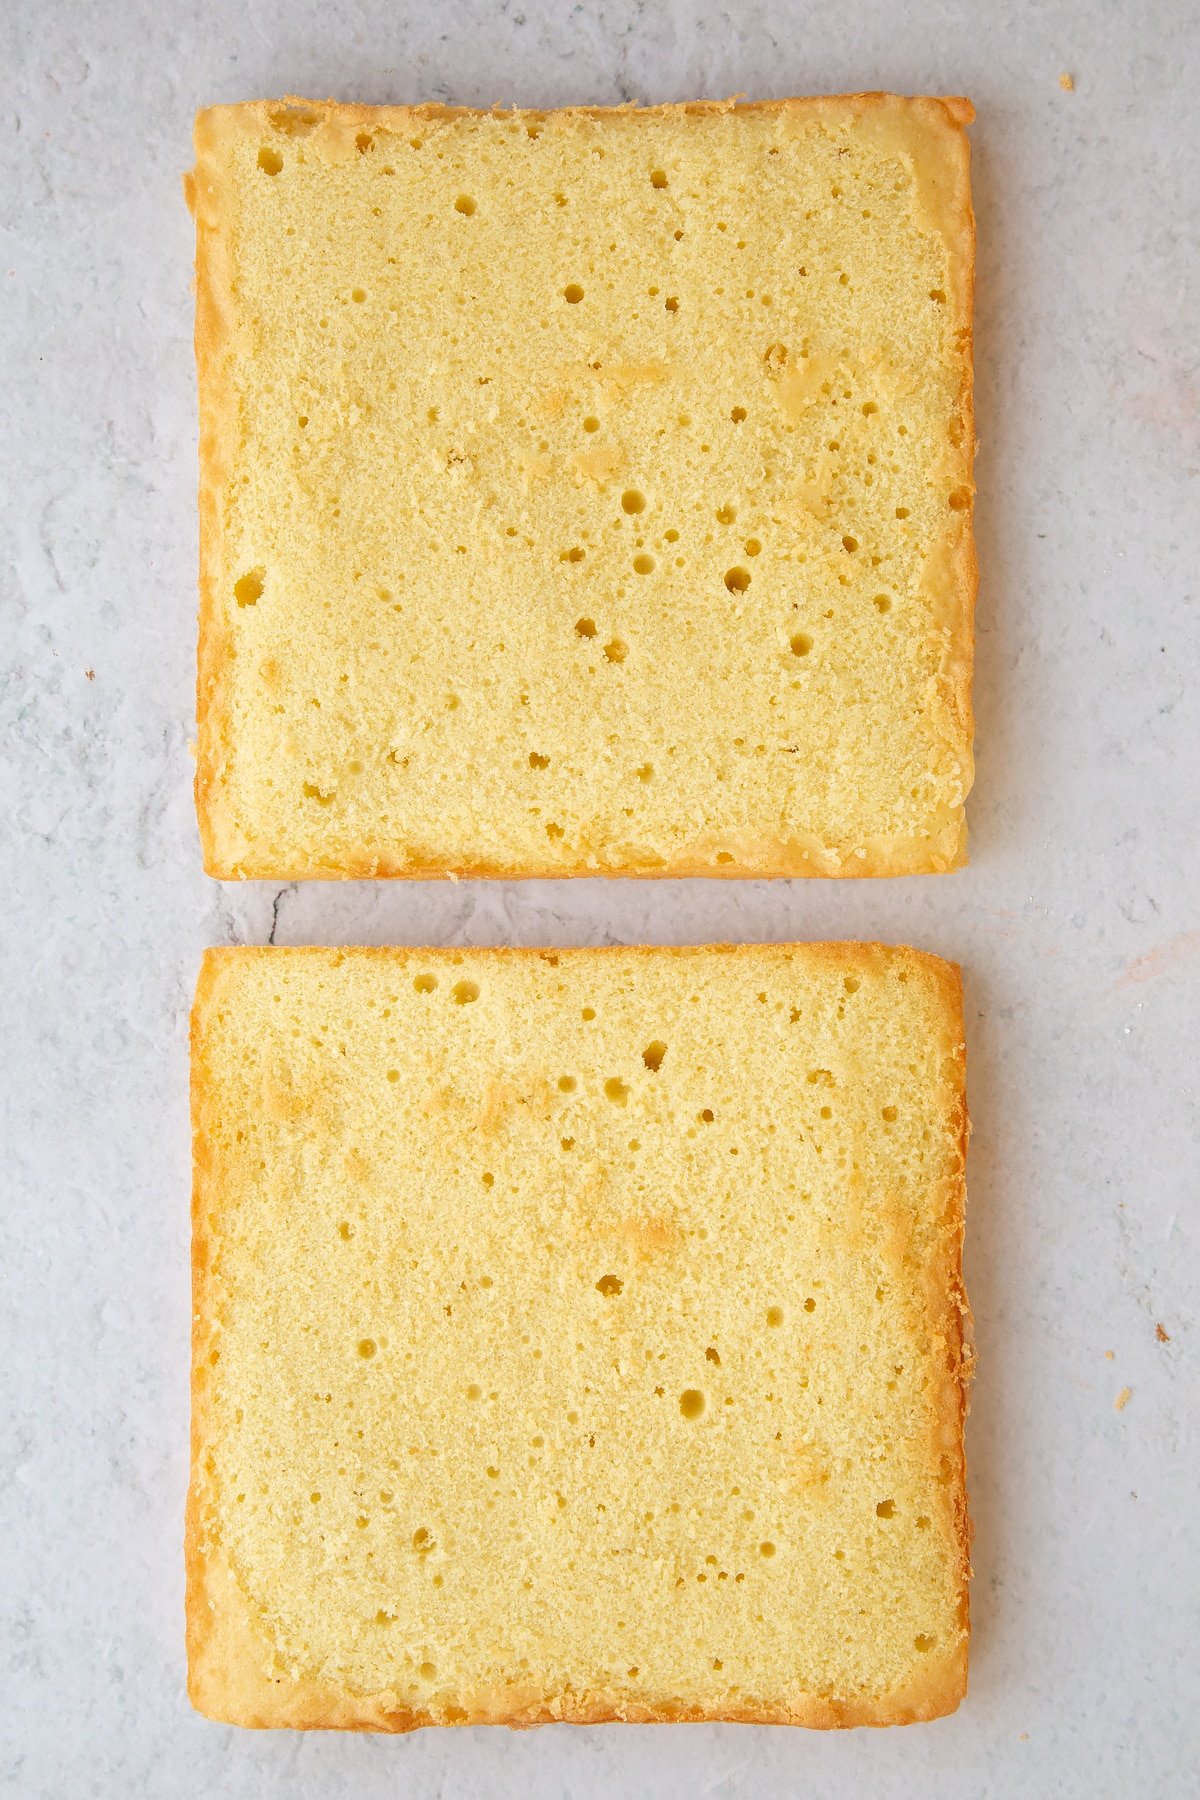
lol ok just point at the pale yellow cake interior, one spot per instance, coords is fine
(580, 1331)
(585, 492)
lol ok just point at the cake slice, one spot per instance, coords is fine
(585, 492)
(579, 1335)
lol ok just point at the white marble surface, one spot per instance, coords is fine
(1078, 923)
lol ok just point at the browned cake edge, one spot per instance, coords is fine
(229, 856)
(226, 1652)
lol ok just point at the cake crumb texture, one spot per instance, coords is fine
(585, 492)
(578, 1335)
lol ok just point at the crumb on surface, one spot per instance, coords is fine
(90, 673)
(1066, 82)
(1108, 1356)
(1122, 1400)
(1162, 1334)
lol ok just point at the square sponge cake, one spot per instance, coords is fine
(585, 492)
(578, 1336)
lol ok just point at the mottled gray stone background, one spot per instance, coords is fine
(1078, 922)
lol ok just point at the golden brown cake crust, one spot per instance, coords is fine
(226, 1654)
(228, 854)
(218, 424)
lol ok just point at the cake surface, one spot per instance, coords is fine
(578, 1335)
(585, 492)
